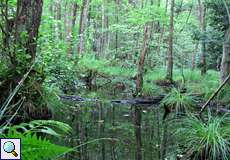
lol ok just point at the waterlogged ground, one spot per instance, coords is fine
(105, 131)
(109, 131)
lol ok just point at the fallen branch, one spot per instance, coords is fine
(214, 94)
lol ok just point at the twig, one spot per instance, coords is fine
(83, 144)
(12, 117)
(10, 97)
(215, 93)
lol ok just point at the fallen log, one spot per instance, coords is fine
(140, 101)
(76, 98)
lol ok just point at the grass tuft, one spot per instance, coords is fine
(206, 140)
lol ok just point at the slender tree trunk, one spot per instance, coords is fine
(117, 21)
(194, 56)
(162, 33)
(59, 18)
(158, 134)
(139, 81)
(101, 129)
(169, 75)
(82, 135)
(137, 119)
(51, 11)
(105, 25)
(225, 63)
(73, 22)
(83, 25)
(164, 140)
(139, 86)
(202, 12)
(66, 13)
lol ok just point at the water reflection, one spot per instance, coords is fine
(97, 120)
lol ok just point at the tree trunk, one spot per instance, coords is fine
(59, 18)
(202, 12)
(161, 37)
(139, 85)
(28, 20)
(169, 75)
(139, 81)
(105, 25)
(117, 22)
(137, 122)
(73, 22)
(164, 140)
(83, 25)
(225, 63)
(102, 130)
(21, 41)
(194, 56)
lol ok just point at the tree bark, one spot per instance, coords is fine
(225, 63)
(105, 25)
(59, 18)
(28, 20)
(83, 25)
(139, 80)
(202, 12)
(164, 139)
(73, 22)
(117, 22)
(137, 122)
(139, 86)
(194, 56)
(169, 75)
(21, 41)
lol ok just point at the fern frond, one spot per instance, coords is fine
(37, 148)
(50, 127)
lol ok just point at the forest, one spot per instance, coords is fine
(116, 79)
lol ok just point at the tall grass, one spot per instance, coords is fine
(210, 140)
(178, 101)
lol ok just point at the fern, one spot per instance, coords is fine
(36, 148)
(51, 127)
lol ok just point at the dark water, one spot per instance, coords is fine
(91, 122)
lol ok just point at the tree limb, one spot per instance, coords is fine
(215, 93)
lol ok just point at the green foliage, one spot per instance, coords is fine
(204, 85)
(155, 74)
(89, 62)
(141, 16)
(37, 148)
(51, 127)
(224, 95)
(209, 139)
(149, 89)
(178, 101)
(113, 40)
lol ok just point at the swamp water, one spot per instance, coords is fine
(108, 131)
